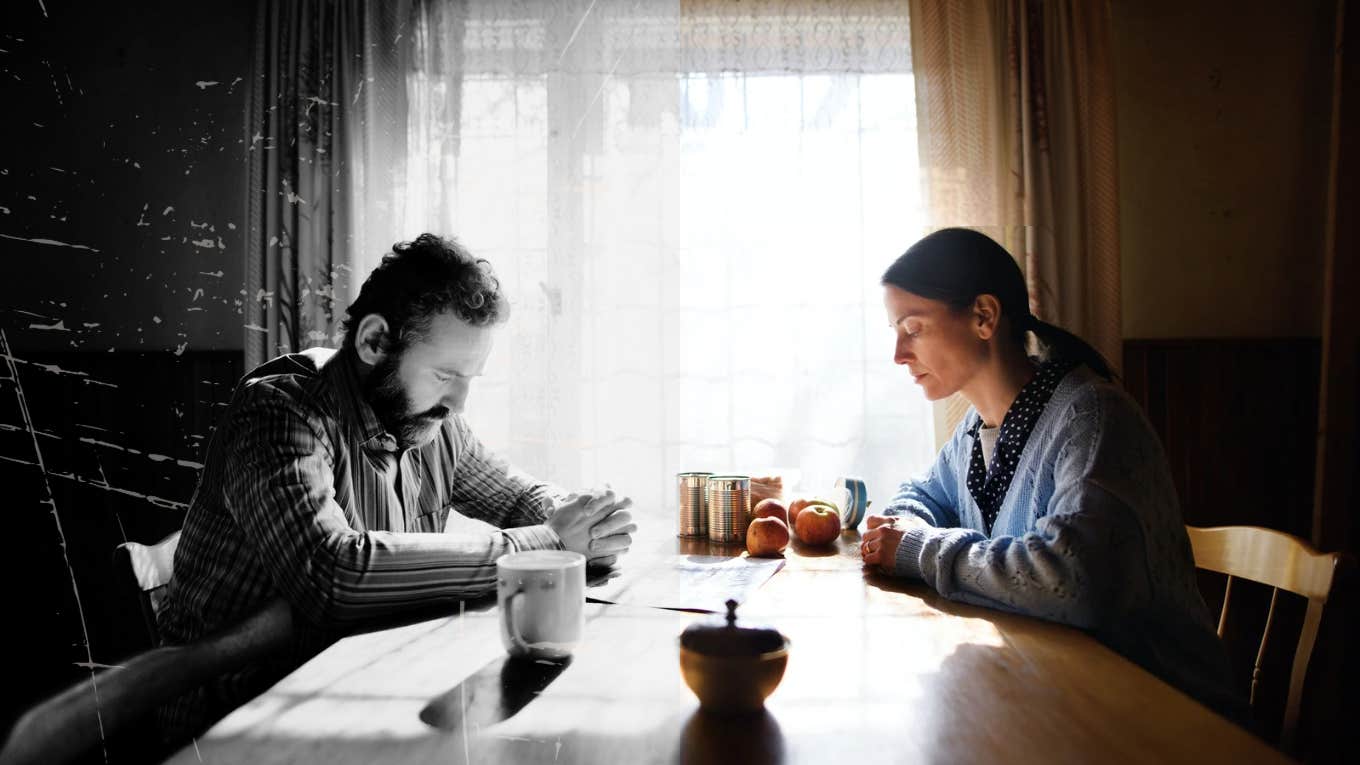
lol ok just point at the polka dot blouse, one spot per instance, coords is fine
(988, 483)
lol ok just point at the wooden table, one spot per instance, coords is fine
(879, 671)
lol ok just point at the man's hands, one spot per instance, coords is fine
(596, 525)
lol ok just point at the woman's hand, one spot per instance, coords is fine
(878, 546)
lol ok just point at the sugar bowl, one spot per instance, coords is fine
(731, 668)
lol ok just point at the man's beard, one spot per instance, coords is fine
(393, 407)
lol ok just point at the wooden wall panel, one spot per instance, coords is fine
(1237, 419)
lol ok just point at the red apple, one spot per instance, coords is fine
(818, 524)
(767, 537)
(796, 507)
(770, 508)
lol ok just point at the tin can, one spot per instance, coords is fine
(729, 507)
(693, 507)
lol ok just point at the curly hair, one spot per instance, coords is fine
(422, 278)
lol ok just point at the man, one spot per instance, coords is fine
(330, 479)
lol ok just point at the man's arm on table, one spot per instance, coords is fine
(280, 488)
(484, 484)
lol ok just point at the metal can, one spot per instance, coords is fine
(729, 507)
(693, 508)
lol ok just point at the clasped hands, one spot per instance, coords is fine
(595, 524)
(878, 546)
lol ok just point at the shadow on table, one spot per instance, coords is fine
(750, 740)
(806, 550)
(930, 597)
(502, 688)
(422, 614)
(703, 546)
(495, 693)
(598, 577)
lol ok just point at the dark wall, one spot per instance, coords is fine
(1223, 127)
(122, 196)
(1237, 418)
(122, 182)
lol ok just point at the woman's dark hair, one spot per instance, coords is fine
(421, 278)
(955, 265)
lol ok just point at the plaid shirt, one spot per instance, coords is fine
(304, 495)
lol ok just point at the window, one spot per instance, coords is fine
(690, 212)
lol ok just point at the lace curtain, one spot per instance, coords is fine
(689, 205)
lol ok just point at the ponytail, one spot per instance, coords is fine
(1060, 344)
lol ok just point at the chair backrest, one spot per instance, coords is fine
(147, 570)
(1284, 562)
(77, 720)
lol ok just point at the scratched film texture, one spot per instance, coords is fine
(122, 188)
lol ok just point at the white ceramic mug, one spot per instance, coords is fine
(542, 597)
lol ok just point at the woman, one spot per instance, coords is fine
(1053, 497)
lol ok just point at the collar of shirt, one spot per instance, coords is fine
(360, 421)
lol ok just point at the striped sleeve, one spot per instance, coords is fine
(487, 487)
(279, 487)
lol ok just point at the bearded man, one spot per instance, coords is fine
(332, 475)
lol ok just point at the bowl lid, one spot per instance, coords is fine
(720, 636)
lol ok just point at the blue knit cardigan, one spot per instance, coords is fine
(1089, 534)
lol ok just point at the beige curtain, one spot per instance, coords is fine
(1015, 106)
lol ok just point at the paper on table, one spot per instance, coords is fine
(690, 582)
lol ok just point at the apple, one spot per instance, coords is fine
(796, 507)
(767, 537)
(770, 508)
(818, 524)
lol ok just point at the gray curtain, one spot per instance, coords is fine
(327, 107)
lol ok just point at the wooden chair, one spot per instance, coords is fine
(1284, 562)
(80, 718)
(146, 570)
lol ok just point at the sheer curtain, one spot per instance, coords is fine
(689, 205)
(1016, 101)
(326, 119)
